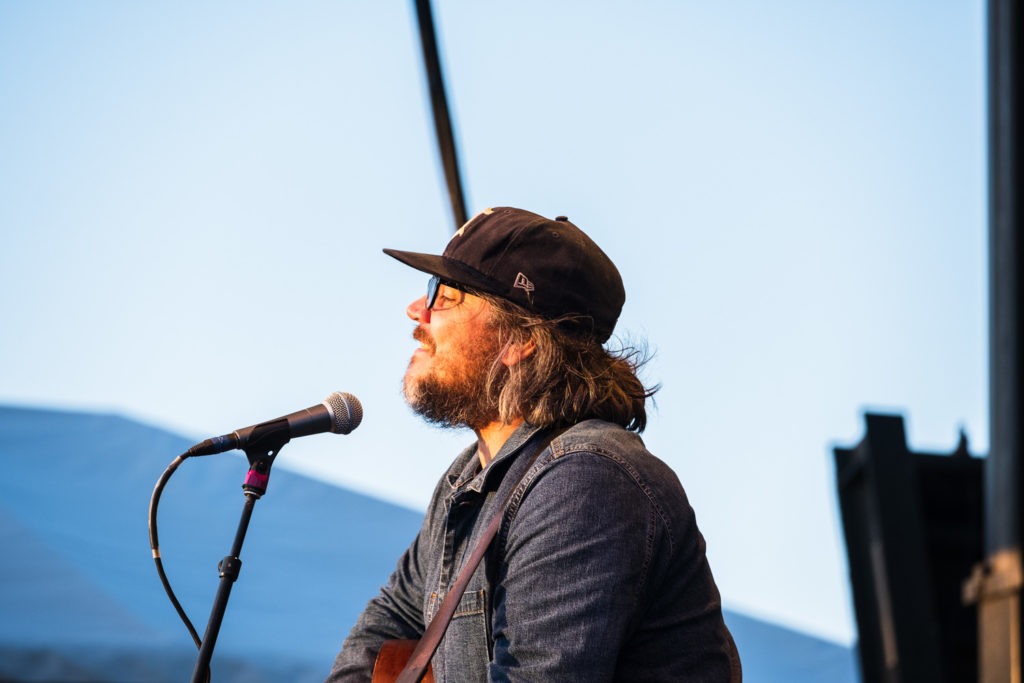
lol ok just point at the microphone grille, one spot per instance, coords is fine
(346, 412)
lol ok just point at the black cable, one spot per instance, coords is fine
(442, 117)
(155, 544)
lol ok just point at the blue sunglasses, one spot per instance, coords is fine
(434, 286)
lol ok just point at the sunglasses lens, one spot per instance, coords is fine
(433, 285)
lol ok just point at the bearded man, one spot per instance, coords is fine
(597, 571)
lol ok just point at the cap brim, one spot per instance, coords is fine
(446, 269)
(428, 263)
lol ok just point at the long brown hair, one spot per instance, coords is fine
(568, 378)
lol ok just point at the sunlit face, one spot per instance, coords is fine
(446, 378)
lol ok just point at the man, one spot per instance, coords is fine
(598, 572)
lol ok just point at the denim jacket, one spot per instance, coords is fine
(598, 572)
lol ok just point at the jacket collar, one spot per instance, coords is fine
(479, 481)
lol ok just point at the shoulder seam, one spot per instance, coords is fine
(556, 452)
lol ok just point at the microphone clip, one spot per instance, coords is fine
(262, 447)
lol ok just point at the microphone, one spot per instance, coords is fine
(339, 413)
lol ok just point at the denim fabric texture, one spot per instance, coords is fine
(598, 572)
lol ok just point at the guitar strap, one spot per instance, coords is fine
(425, 648)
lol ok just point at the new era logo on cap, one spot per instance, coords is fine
(523, 282)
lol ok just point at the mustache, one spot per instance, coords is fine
(420, 335)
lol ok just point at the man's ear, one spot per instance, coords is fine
(517, 352)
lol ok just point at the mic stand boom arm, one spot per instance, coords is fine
(262, 447)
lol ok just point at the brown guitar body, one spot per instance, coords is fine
(392, 658)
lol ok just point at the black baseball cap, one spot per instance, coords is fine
(549, 267)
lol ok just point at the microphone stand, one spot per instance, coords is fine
(262, 447)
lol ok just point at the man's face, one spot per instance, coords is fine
(447, 375)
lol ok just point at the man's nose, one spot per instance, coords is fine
(418, 310)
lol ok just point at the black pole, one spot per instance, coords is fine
(229, 568)
(439, 104)
(265, 442)
(1003, 529)
(1000, 578)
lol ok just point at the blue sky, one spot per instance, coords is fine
(193, 201)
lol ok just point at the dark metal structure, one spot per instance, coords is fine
(913, 528)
